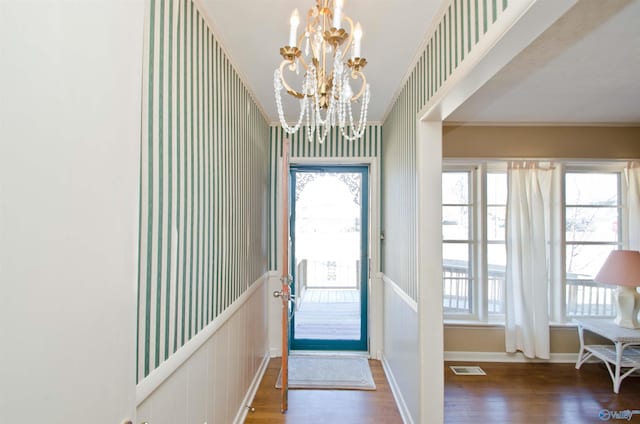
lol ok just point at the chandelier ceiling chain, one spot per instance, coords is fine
(326, 84)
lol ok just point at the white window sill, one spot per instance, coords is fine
(471, 323)
(448, 322)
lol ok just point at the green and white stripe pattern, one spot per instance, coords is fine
(335, 146)
(461, 27)
(204, 176)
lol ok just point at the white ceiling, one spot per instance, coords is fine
(585, 68)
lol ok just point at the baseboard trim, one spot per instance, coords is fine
(253, 389)
(397, 394)
(275, 353)
(563, 358)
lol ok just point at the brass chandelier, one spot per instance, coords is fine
(326, 96)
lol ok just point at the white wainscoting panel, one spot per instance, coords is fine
(215, 383)
(197, 385)
(401, 350)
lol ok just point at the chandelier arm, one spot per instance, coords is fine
(355, 75)
(287, 87)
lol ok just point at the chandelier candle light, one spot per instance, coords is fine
(326, 95)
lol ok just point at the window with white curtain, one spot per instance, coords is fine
(589, 206)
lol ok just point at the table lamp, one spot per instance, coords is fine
(622, 268)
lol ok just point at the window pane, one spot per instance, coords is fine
(591, 189)
(584, 261)
(457, 277)
(591, 224)
(495, 222)
(455, 188)
(455, 222)
(497, 261)
(497, 189)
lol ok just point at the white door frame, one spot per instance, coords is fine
(374, 313)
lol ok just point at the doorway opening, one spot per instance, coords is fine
(329, 240)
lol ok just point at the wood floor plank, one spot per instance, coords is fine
(510, 393)
(535, 393)
(325, 406)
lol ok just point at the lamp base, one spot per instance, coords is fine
(628, 304)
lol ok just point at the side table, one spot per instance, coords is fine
(622, 358)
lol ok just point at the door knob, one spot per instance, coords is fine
(281, 294)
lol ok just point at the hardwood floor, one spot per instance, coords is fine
(325, 406)
(508, 394)
(536, 393)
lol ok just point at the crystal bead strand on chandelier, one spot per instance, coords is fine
(326, 96)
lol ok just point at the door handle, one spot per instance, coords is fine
(280, 293)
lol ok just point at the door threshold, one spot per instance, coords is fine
(351, 353)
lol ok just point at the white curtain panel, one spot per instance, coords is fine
(632, 172)
(527, 301)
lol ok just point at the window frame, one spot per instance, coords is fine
(478, 170)
(491, 168)
(478, 255)
(471, 240)
(597, 167)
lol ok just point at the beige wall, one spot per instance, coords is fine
(466, 338)
(530, 142)
(541, 142)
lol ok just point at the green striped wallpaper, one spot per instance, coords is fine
(461, 26)
(335, 146)
(203, 183)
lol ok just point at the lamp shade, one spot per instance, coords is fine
(621, 268)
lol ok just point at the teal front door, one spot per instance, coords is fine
(329, 257)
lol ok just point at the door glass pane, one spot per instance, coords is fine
(328, 237)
